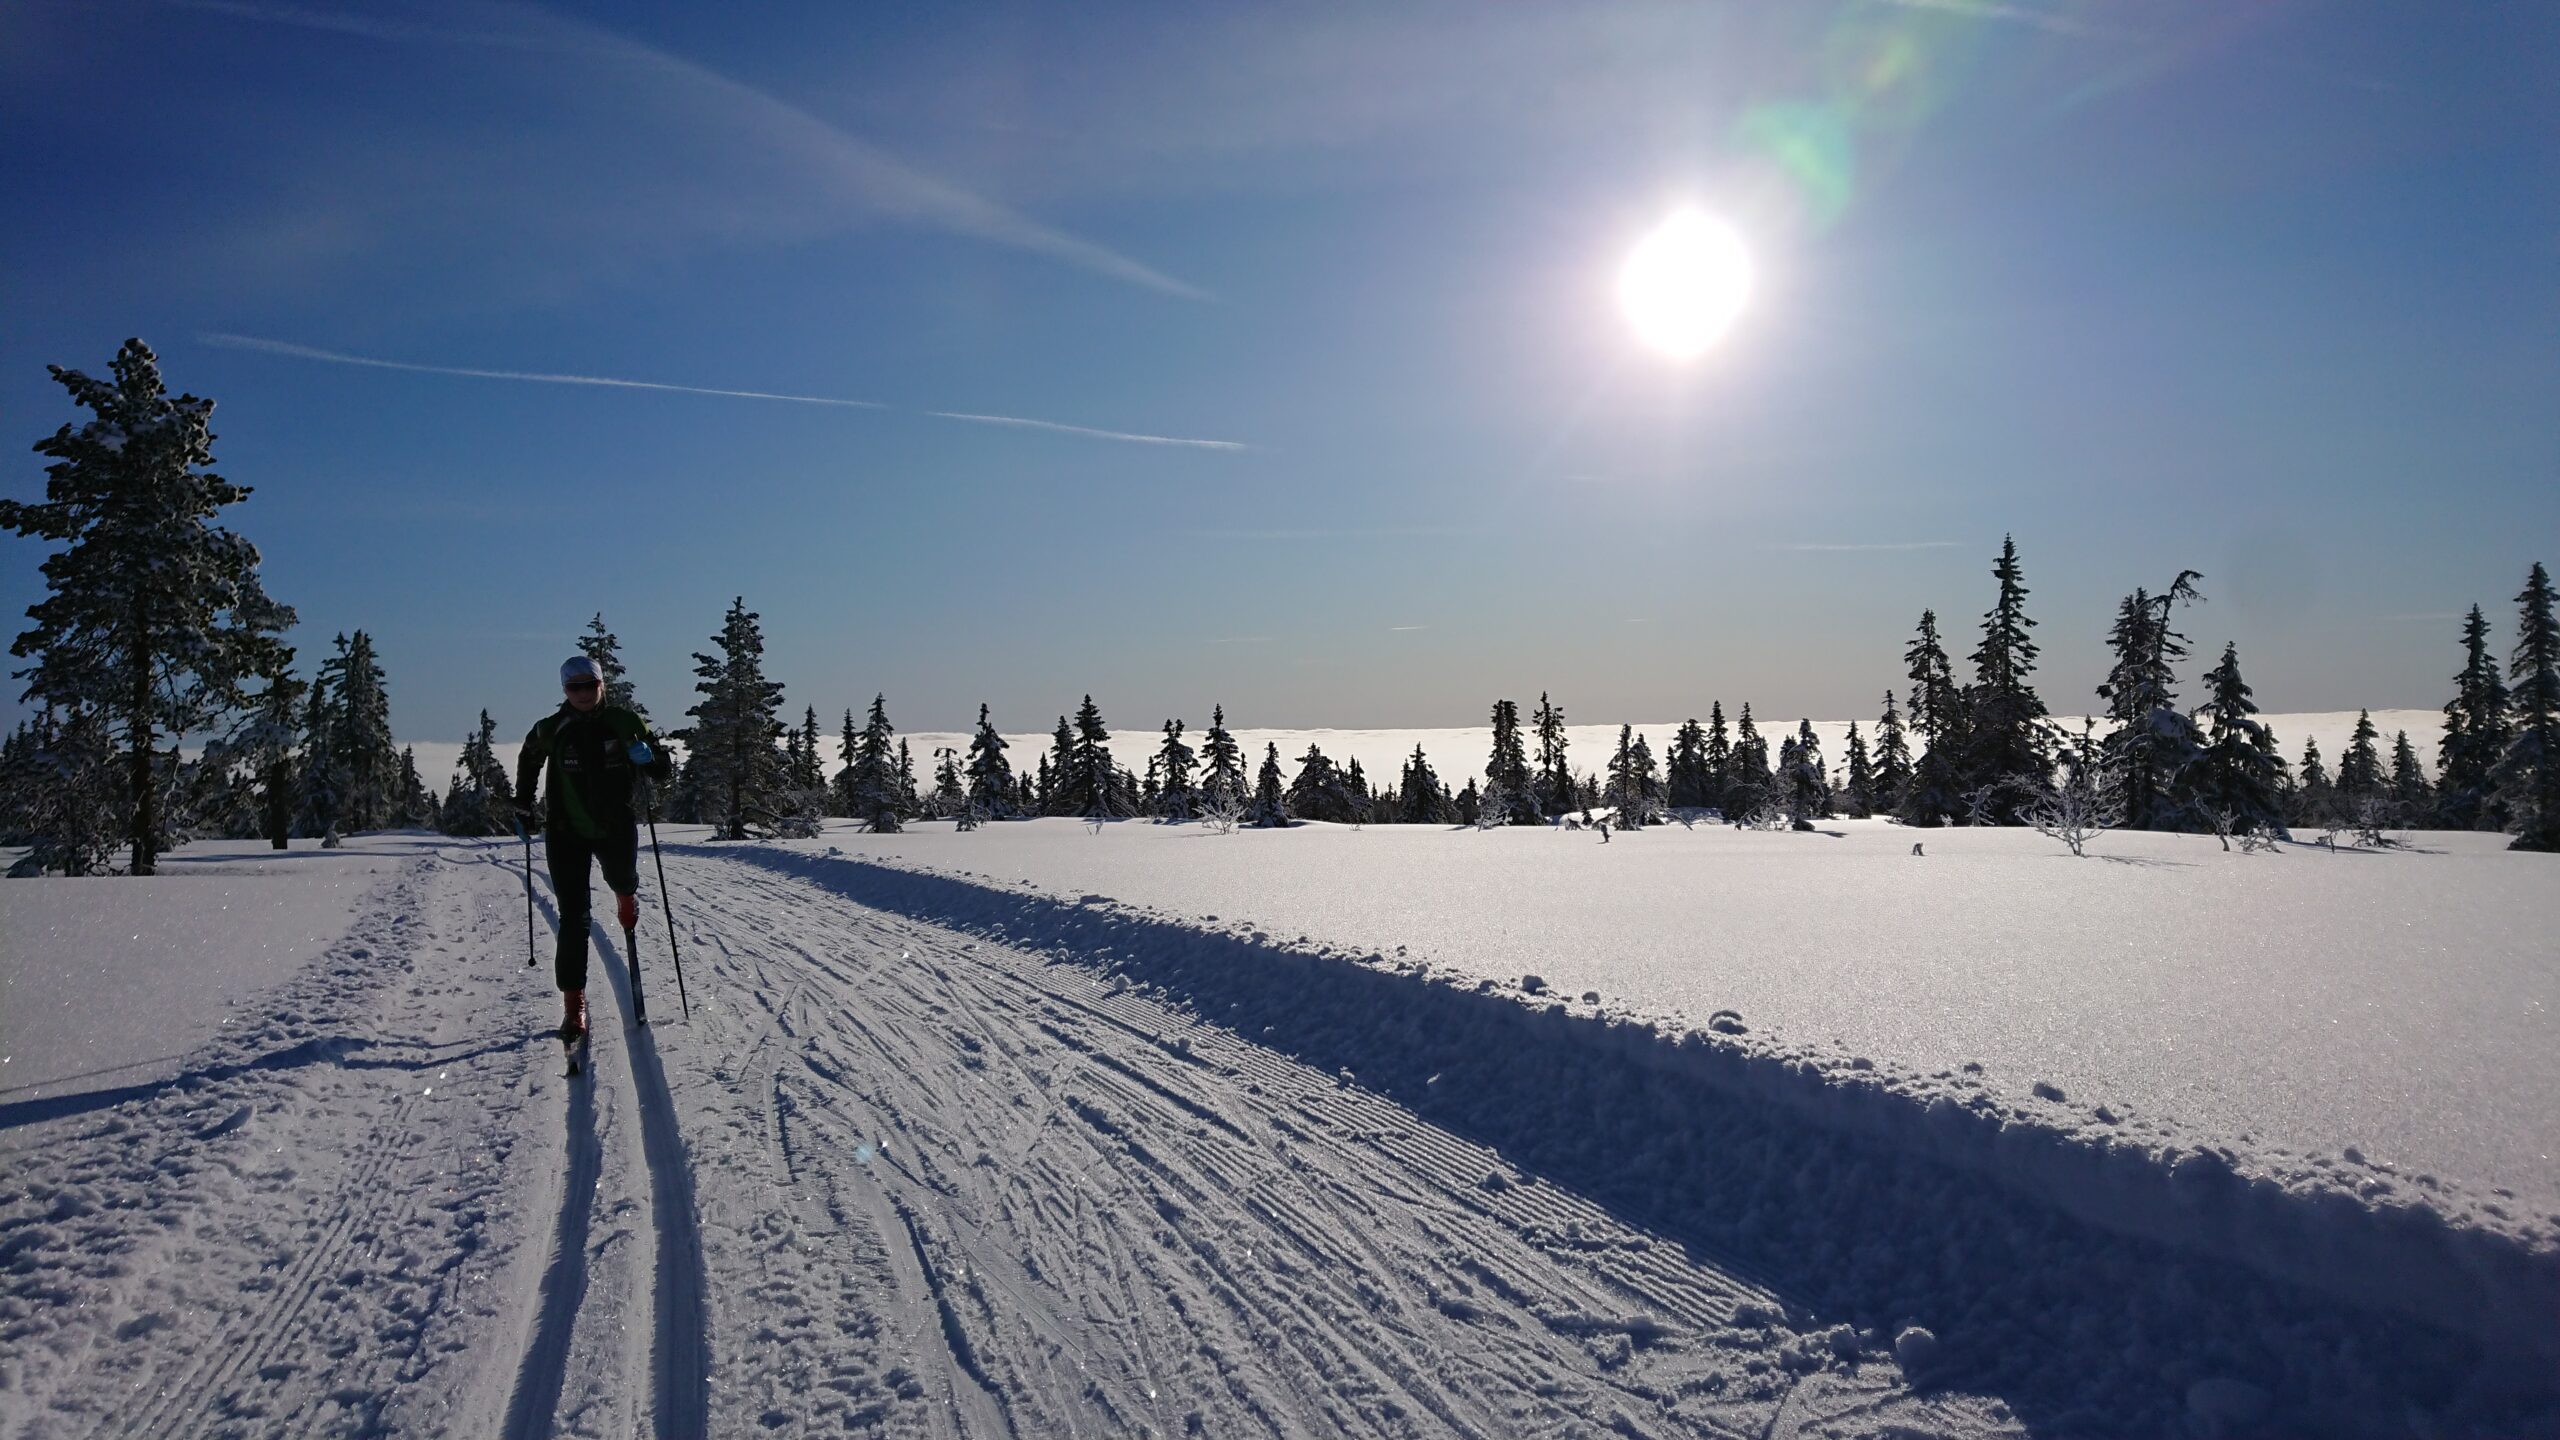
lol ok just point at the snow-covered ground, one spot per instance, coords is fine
(953, 1153)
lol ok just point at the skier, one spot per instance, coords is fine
(591, 753)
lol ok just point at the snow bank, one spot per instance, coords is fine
(1441, 1038)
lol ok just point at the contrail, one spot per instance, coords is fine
(309, 352)
(1087, 430)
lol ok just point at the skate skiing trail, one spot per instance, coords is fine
(960, 1159)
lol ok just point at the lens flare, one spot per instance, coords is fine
(1684, 285)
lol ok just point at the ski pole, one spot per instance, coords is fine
(669, 906)
(631, 962)
(532, 947)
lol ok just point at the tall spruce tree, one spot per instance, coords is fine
(2242, 776)
(1270, 806)
(2006, 743)
(1719, 757)
(1858, 795)
(730, 756)
(1096, 786)
(874, 787)
(1935, 793)
(322, 785)
(2315, 800)
(364, 759)
(2412, 798)
(1554, 784)
(1507, 770)
(2153, 743)
(1221, 763)
(1057, 779)
(2360, 771)
(1805, 783)
(1749, 788)
(481, 798)
(154, 616)
(265, 746)
(1893, 761)
(605, 648)
(991, 788)
(2477, 730)
(1685, 769)
(2528, 776)
(1174, 762)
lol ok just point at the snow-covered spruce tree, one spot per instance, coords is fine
(2153, 742)
(1320, 791)
(605, 648)
(415, 807)
(840, 785)
(1425, 802)
(1554, 784)
(264, 746)
(1221, 763)
(2477, 729)
(730, 746)
(2315, 800)
(2528, 776)
(481, 797)
(1893, 761)
(991, 788)
(950, 797)
(1934, 794)
(2360, 771)
(1174, 762)
(1270, 808)
(1749, 789)
(1508, 768)
(2005, 746)
(1858, 796)
(1719, 757)
(322, 785)
(1057, 773)
(154, 616)
(808, 771)
(1095, 786)
(872, 790)
(364, 756)
(2412, 798)
(1356, 786)
(1468, 803)
(2240, 774)
(910, 800)
(1806, 783)
(1621, 791)
(1685, 769)
(68, 804)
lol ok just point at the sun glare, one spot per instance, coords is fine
(1684, 284)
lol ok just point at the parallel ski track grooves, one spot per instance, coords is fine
(680, 1348)
(1152, 1139)
(533, 1408)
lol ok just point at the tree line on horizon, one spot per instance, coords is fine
(156, 629)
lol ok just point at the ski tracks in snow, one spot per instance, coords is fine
(954, 1189)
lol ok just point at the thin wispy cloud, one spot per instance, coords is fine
(333, 357)
(1242, 640)
(2033, 16)
(843, 168)
(1852, 548)
(1400, 629)
(1086, 430)
(1391, 532)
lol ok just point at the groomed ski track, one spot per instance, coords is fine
(940, 1157)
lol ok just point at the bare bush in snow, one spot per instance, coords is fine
(2078, 807)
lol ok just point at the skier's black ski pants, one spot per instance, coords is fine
(567, 852)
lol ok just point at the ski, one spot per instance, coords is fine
(631, 958)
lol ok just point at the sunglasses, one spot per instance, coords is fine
(580, 685)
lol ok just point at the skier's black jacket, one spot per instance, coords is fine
(588, 758)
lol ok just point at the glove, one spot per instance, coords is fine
(526, 820)
(640, 752)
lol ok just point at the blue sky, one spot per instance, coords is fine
(2266, 291)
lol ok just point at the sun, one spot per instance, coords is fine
(1684, 285)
